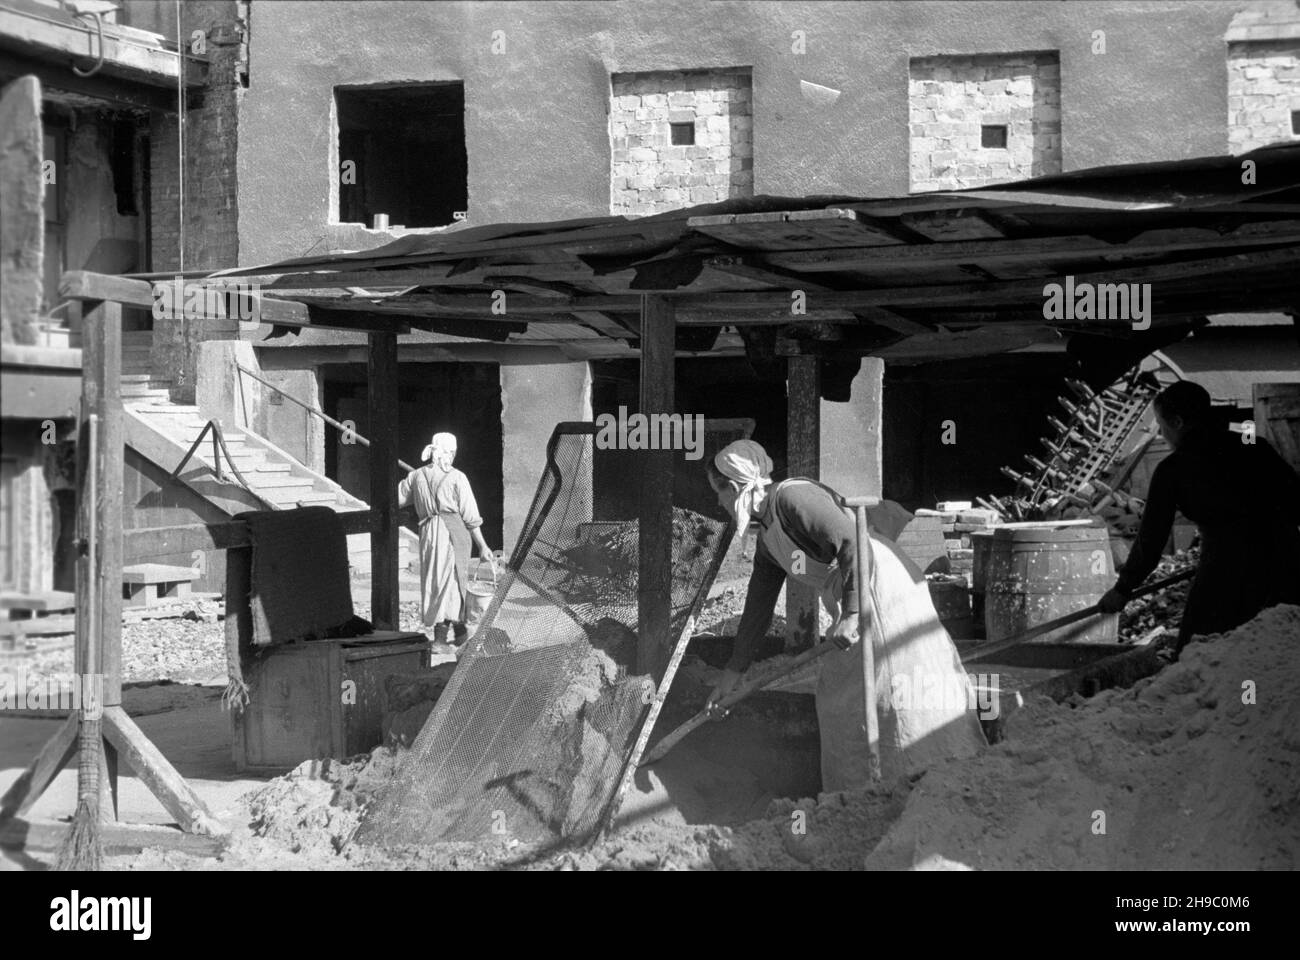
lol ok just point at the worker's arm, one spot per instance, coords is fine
(472, 519)
(760, 602)
(1153, 534)
(404, 498)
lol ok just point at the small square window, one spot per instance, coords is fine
(682, 134)
(1295, 123)
(993, 137)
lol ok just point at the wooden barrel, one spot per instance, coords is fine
(952, 603)
(981, 542)
(1035, 574)
(922, 541)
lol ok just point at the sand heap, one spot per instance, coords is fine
(1197, 767)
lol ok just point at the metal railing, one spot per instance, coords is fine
(342, 428)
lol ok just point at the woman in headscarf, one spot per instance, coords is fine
(449, 517)
(807, 537)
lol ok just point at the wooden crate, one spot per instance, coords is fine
(298, 710)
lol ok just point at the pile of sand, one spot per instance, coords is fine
(316, 808)
(1197, 767)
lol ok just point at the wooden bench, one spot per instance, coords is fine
(25, 606)
(145, 584)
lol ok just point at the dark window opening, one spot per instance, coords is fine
(683, 134)
(402, 154)
(993, 136)
(122, 162)
(1295, 123)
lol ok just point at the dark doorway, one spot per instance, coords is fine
(460, 398)
(716, 388)
(999, 408)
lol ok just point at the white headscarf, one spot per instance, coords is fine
(441, 450)
(748, 464)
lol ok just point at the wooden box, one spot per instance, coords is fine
(319, 698)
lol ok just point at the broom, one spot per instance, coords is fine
(83, 849)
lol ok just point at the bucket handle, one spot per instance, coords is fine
(478, 565)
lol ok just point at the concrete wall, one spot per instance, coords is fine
(534, 398)
(850, 440)
(537, 126)
(29, 505)
(951, 98)
(1263, 90)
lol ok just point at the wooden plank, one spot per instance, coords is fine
(750, 268)
(655, 513)
(951, 225)
(147, 542)
(1277, 418)
(793, 229)
(606, 324)
(127, 53)
(46, 836)
(382, 407)
(803, 430)
(157, 773)
(29, 786)
(101, 376)
(1036, 250)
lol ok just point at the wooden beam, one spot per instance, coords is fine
(655, 515)
(231, 535)
(128, 54)
(382, 407)
(609, 325)
(101, 382)
(29, 786)
(1079, 247)
(157, 773)
(803, 454)
(749, 268)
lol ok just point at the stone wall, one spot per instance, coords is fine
(951, 97)
(650, 173)
(1263, 91)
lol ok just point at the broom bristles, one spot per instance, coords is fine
(83, 848)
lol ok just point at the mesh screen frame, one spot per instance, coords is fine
(464, 742)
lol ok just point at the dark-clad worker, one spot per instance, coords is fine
(1245, 502)
(923, 696)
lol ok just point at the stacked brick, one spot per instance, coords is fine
(1263, 91)
(649, 173)
(951, 97)
(957, 526)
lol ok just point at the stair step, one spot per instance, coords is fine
(286, 482)
(290, 500)
(270, 466)
(146, 393)
(176, 409)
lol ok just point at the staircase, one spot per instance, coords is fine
(162, 432)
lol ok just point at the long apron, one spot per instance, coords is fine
(923, 696)
(442, 581)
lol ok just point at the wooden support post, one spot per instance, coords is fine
(101, 365)
(869, 627)
(803, 458)
(382, 376)
(655, 516)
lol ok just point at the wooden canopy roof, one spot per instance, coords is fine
(936, 274)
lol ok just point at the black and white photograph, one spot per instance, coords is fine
(650, 436)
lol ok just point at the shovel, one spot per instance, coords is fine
(745, 690)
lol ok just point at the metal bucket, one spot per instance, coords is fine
(478, 594)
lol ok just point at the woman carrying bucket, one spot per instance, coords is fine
(449, 517)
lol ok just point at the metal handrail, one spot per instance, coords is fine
(218, 449)
(312, 410)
